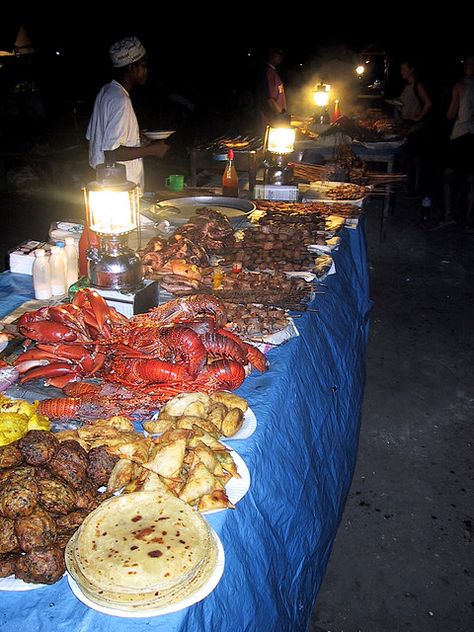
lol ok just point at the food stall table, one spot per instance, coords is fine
(301, 459)
(385, 153)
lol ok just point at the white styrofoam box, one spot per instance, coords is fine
(22, 258)
(275, 192)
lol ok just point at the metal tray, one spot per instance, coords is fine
(179, 210)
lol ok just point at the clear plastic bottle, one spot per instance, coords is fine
(72, 256)
(58, 276)
(41, 275)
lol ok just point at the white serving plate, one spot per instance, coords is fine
(198, 595)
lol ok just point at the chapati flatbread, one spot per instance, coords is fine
(142, 542)
(155, 600)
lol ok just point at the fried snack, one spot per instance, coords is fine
(37, 529)
(38, 447)
(68, 523)
(44, 565)
(18, 497)
(101, 464)
(230, 400)
(56, 497)
(7, 564)
(12, 427)
(8, 539)
(232, 422)
(10, 455)
(70, 463)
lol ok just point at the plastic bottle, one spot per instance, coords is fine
(62, 252)
(230, 179)
(41, 275)
(58, 277)
(72, 256)
(87, 240)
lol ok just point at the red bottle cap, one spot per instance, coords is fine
(230, 154)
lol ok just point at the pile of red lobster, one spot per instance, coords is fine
(178, 347)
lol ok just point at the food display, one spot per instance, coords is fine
(185, 460)
(46, 491)
(253, 321)
(142, 552)
(17, 417)
(221, 414)
(207, 232)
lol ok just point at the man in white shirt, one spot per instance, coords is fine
(113, 132)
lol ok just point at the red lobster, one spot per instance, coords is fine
(256, 358)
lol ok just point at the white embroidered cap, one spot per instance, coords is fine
(126, 51)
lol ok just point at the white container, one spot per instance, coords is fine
(62, 252)
(58, 275)
(41, 275)
(72, 257)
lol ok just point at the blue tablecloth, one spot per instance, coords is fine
(301, 460)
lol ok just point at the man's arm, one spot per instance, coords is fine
(158, 149)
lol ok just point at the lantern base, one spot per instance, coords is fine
(114, 266)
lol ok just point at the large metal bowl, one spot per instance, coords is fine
(178, 210)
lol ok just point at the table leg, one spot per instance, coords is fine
(193, 169)
(387, 203)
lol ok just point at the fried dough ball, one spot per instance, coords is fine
(36, 530)
(38, 447)
(18, 497)
(10, 455)
(62, 540)
(70, 522)
(17, 473)
(8, 539)
(101, 464)
(43, 565)
(8, 563)
(70, 463)
(88, 497)
(56, 497)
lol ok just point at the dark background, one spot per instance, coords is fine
(210, 58)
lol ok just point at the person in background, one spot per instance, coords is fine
(270, 98)
(113, 132)
(415, 107)
(460, 162)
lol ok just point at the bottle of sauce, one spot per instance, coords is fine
(88, 239)
(230, 179)
(41, 275)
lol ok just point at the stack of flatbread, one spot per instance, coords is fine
(142, 551)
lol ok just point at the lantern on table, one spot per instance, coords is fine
(321, 96)
(279, 144)
(112, 211)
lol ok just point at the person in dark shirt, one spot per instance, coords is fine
(270, 95)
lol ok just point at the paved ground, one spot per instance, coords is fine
(403, 557)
